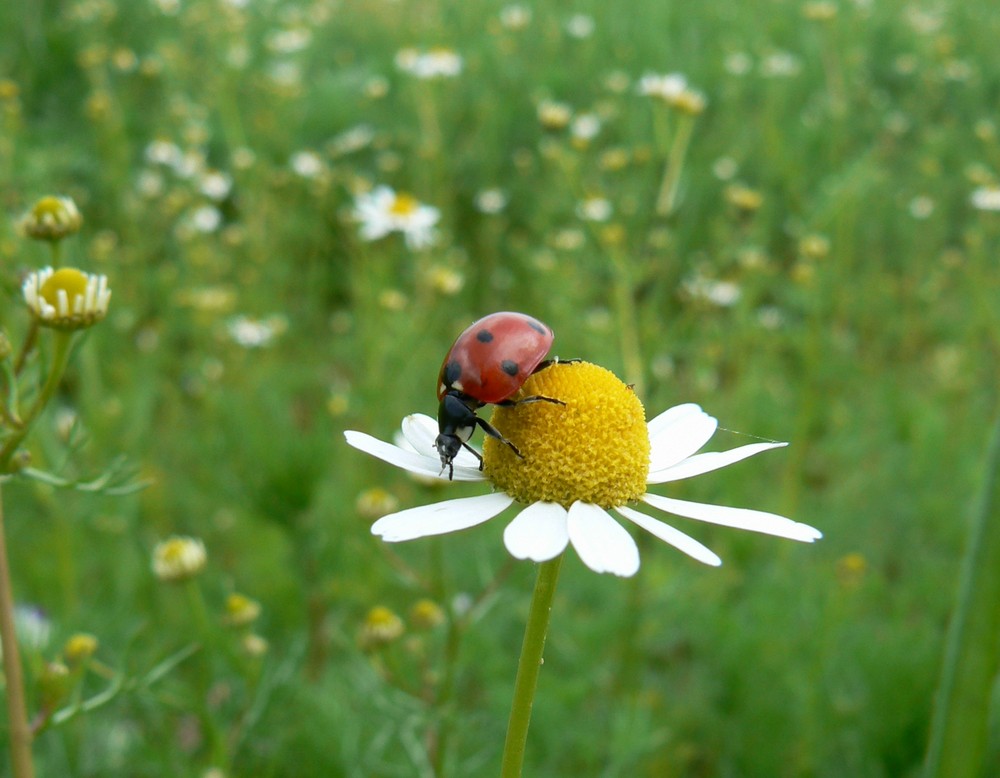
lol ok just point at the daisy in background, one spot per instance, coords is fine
(383, 210)
(581, 462)
(437, 62)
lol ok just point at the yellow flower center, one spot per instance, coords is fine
(69, 280)
(595, 448)
(404, 205)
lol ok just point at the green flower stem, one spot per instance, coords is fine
(959, 730)
(198, 611)
(27, 347)
(667, 198)
(60, 358)
(528, 668)
(628, 325)
(17, 711)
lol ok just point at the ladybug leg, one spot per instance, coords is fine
(493, 432)
(535, 398)
(474, 453)
(554, 361)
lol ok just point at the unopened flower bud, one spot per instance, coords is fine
(52, 218)
(240, 610)
(54, 683)
(79, 648)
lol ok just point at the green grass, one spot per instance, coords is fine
(879, 366)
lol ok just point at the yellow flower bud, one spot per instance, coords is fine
(79, 648)
(52, 218)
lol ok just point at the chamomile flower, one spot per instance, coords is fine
(382, 211)
(67, 299)
(179, 558)
(667, 86)
(986, 198)
(437, 62)
(580, 461)
(52, 218)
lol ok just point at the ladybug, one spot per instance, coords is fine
(487, 364)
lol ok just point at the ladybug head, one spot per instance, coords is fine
(456, 423)
(448, 447)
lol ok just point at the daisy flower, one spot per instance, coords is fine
(437, 62)
(383, 210)
(582, 461)
(986, 198)
(66, 299)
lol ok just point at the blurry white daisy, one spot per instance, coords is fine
(288, 41)
(163, 152)
(351, 140)
(438, 62)
(515, 16)
(215, 185)
(580, 26)
(585, 127)
(780, 64)
(667, 86)
(205, 219)
(721, 293)
(33, 627)
(594, 209)
(179, 558)
(986, 198)
(383, 210)
(578, 461)
(307, 164)
(249, 332)
(491, 201)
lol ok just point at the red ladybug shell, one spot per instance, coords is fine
(492, 359)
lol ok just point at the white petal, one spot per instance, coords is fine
(441, 517)
(677, 433)
(705, 463)
(420, 431)
(674, 537)
(538, 532)
(602, 543)
(408, 460)
(740, 518)
(671, 416)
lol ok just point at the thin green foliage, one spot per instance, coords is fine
(821, 276)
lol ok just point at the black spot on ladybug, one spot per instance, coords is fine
(509, 366)
(538, 327)
(452, 372)
(484, 336)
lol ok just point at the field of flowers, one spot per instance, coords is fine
(787, 212)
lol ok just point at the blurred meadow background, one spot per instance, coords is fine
(799, 230)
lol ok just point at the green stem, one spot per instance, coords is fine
(217, 746)
(17, 711)
(57, 253)
(60, 358)
(27, 347)
(960, 727)
(667, 198)
(628, 326)
(528, 668)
